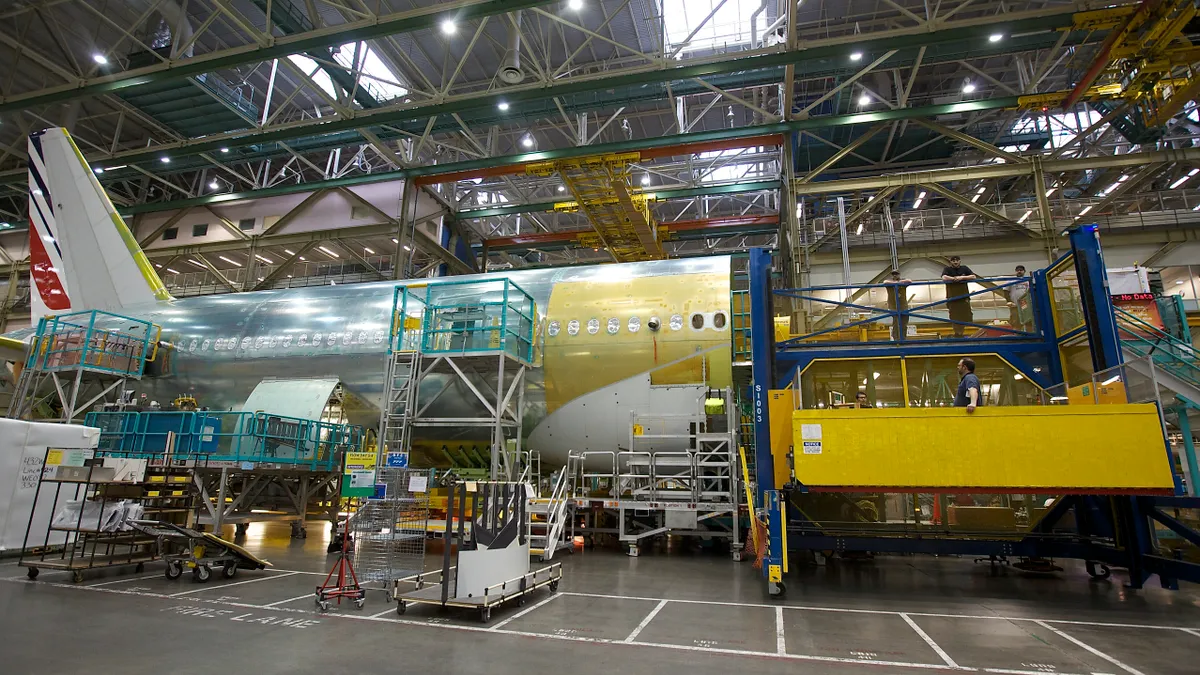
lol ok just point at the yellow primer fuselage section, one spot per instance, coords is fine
(1018, 449)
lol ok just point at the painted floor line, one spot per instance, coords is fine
(886, 612)
(523, 612)
(929, 641)
(284, 602)
(646, 621)
(122, 581)
(1018, 671)
(780, 640)
(236, 583)
(1191, 631)
(1080, 643)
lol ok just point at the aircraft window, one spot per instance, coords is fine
(287, 341)
(676, 322)
(593, 326)
(719, 320)
(552, 330)
(697, 321)
(614, 325)
(246, 343)
(316, 339)
(634, 324)
(204, 345)
(573, 327)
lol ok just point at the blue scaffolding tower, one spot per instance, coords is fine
(1065, 305)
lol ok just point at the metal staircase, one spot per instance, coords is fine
(400, 399)
(547, 517)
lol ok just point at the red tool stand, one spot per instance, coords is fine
(346, 585)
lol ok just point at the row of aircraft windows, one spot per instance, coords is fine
(698, 321)
(346, 339)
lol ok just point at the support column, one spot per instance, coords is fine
(1099, 320)
(1044, 214)
(407, 203)
(762, 342)
(1189, 451)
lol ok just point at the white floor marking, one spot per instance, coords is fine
(780, 642)
(797, 657)
(389, 610)
(298, 597)
(646, 621)
(928, 640)
(885, 612)
(1080, 643)
(1017, 671)
(236, 583)
(1191, 631)
(126, 580)
(523, 612)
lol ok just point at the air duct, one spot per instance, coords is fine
(510, 67)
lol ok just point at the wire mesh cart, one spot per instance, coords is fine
(201, 552)
(492, 566)
(389, 530)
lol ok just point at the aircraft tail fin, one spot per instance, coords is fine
(82, 256)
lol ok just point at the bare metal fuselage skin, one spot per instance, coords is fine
(222, 346)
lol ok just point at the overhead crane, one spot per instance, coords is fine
(1094, 480)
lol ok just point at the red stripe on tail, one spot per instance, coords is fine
(49, 285)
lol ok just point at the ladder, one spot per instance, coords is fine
(399, 399)
(547, 517)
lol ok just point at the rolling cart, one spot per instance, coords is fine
(492, 566)
(201, 552)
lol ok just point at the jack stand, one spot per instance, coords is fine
(346, 585)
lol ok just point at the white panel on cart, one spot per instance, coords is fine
(22, 450)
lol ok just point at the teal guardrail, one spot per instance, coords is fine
(257, 438)
(1168, 352)
(95, 341)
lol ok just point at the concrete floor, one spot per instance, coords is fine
(612, 614)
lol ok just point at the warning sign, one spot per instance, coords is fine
(358, 478)
(812, 447)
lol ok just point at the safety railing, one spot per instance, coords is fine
(999, 308)
(245, 437)
(95, 341)
(1143, 339)
(472, 317)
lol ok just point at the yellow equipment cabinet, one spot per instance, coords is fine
(1019, 449)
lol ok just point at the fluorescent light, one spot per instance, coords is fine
(197, 264)
(982, 189)
(856, 56)
(968, 87)
(1114, 378)
(1051, 191)
(289, 252)
(225, 150)
(1058, 398)
(100, 169)
(875, 376)
(100, 58)
(959, 221)
(368, 251)
(1018, 376)
(908, 223)
(995, 37)
(1179, 282)
(646, 179)
(172, 271)
(860, 229)
(1025, 217)
(303, 258)
(502, 105)
(406, 247)
(1183, 179)
(527, 141)
(562, 188)
(575, 5)
(395, 240)
(1085, 210)
(158, 266)
(449, 27)
(920, 198)
(165, 160)
(975, 198)
(327, 251)
(864, 100)
(231, 262)
(266, 260)
(214, 185)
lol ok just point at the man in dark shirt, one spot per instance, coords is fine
(860, 400)
(897, 297)
(968, 387)
(956, 275)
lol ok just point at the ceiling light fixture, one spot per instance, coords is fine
(995, 37)
(231, 262)
(327, 252)
(449, 27)
(165, 160)
(369, 251)
(100, 58)
(562, 188)
(265, 260)
(1025, 217)
(856, 56)
(1051, 191)
(959, 221)
(214, 185)
(172, 271)
(575, 5)
(225, 150)
(407, 247)
(100, 170)
(289, 252)
(1085, 210)
(968, 87)
(198, 264)
(908, 223)
(646, 179)
(859, 230)
(502, 105)
(395, 240)
(527, 141)
(864, 100)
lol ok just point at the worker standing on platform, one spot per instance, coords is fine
(897, 296)
(968, 395)
(956, 275)
(1015, 292)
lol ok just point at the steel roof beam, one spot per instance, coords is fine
(274, 47)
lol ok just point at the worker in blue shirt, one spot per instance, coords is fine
(968, 387)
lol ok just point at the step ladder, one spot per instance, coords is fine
(400, 400)
(547, 517)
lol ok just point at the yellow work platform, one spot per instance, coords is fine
(1019, 449)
